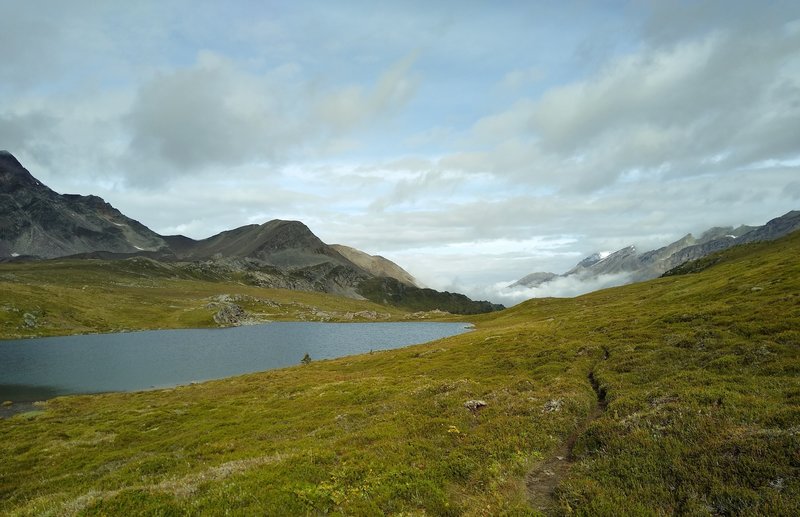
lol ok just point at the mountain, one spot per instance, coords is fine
(535, 279)
(612, 263)
(632, 266)
(278, 254)
(34, 220)
(277, 243)
(376, 265)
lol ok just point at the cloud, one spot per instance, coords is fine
(562, 287)
(210, 114)
(792, 190)
(208, 205)
(522, 77)
(84, 45)
(720, 100)
(668, 22)
(650, 87)
(30, 37)
(217, 113)
(25, 133)
(354, 105)
(510, 124)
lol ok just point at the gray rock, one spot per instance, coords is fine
(230, 314)
(553, 405)
(475, 405)
(30, 320)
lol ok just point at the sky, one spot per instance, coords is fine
(471, 142)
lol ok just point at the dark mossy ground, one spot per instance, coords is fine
(676, 396)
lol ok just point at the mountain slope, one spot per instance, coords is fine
(35, 220)
(390, 291)
(534, 279)
(376, 265)
(613, 263)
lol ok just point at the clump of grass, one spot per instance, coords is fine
(699, 378)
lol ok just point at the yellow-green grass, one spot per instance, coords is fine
(83, 296)
(700, 376)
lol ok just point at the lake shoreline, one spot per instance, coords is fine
(50, 367)
(16, 408)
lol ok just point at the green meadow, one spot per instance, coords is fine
(675, 396)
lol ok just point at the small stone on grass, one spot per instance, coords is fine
(474, 405)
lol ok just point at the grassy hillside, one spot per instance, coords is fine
(390, 291)
(679, 395)
(79, 296)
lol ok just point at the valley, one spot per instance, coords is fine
(697, 375)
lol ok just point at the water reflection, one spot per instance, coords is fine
(28, 392)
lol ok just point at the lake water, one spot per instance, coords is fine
(38, 369)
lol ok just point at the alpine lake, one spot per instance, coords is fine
(43, 368)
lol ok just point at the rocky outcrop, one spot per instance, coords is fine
(228, 313)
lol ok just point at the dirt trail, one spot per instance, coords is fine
(545, 476)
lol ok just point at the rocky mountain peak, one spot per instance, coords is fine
(589, 261)
(36, 221)
(13, 176)
(5, 156)
(278, 234)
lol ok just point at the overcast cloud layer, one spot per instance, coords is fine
(471, 143)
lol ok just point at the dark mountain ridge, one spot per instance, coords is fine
(36, 221)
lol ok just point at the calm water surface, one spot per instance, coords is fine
(37, 369)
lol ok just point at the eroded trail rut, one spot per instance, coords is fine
(543, 478)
